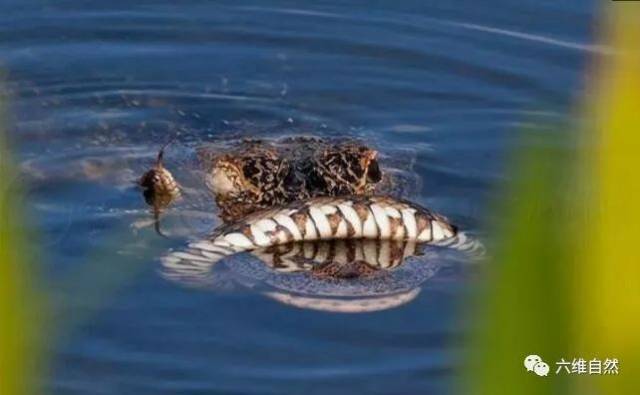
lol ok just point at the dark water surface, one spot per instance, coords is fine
(96, 88)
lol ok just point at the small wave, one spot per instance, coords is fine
(600, 49)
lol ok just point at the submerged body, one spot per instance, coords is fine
(327, 218)
(348, 276)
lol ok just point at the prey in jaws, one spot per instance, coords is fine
(325, 218)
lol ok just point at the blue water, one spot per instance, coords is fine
(95, 88)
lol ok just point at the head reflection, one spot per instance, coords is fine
(347, 276)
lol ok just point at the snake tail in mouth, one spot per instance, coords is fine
(325, 218)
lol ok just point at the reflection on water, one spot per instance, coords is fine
(339, 275)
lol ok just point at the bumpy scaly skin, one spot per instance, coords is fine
(346, 170)
(257, 177)
(259, 174)
(326, 218)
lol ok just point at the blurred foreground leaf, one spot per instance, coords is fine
(607, 298)
(71, 300)
(20, 304)
(565, 282)
(527, 289)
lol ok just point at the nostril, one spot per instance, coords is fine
(373, 171)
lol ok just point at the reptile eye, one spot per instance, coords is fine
(373, 171)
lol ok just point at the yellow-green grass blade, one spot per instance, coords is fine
(607, 296)
(565, 281)
(21, 308)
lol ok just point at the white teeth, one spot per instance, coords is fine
(438, 233)
(282, 237)
(266, 225)
(351, 216)
(259, 236)
(239, 240)
(222, 242)
(392, 212)
(425, 235)
(448, 232)
(324, 228)
(328, 209)
(287, 222)
(278, 227)
(409, 219)
(209, 246)
(369, 227)
(341, 231)
(310, 232)
(381, 218)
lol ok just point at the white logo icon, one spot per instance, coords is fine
(541, 369)
(535, 364)
(531, 361)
